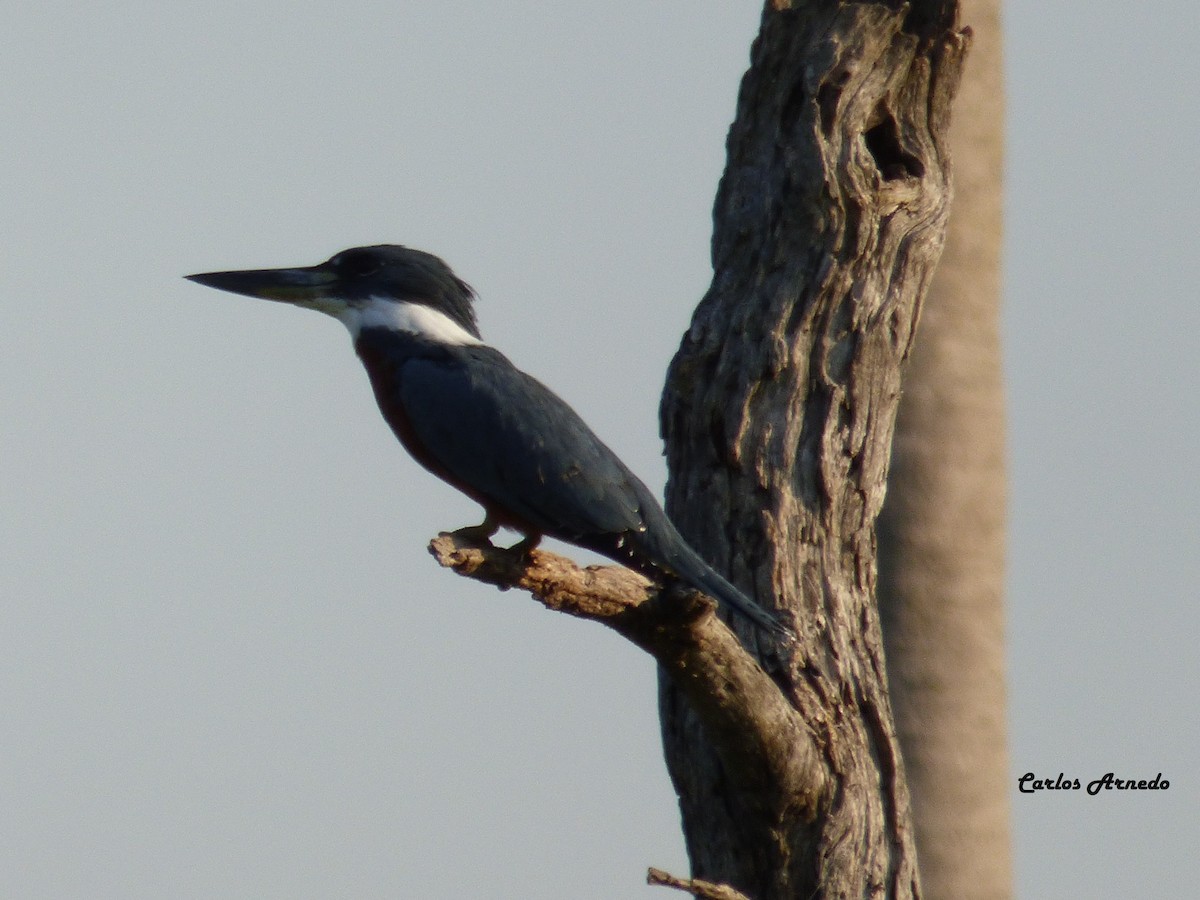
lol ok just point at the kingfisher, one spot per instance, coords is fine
(471, 417)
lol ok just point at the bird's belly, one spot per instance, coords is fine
(385, 382)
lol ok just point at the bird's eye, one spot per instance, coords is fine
(356, 265)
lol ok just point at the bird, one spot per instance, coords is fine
(468, 415)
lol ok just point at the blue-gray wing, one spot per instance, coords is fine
(511, 440)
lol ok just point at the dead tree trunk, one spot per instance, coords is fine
(779, 411)
(941, 532)
(778, 416)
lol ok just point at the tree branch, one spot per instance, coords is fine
(761, 738)
(705, 890)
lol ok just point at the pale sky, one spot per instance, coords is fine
(228, 666)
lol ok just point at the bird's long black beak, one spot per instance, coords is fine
(285, 285)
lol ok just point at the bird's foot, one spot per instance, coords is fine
(478, 534)
(526, 545)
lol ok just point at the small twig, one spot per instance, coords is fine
(706, 890)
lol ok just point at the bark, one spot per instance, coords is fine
(941, 532)
(779, 410)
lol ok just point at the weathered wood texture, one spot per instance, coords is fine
(778, 412)
(941, 532)
(778, 415)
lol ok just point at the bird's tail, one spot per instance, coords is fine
(678, 558)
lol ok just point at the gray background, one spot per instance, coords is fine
(228, 667)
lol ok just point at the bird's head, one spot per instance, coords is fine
(385, 286)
